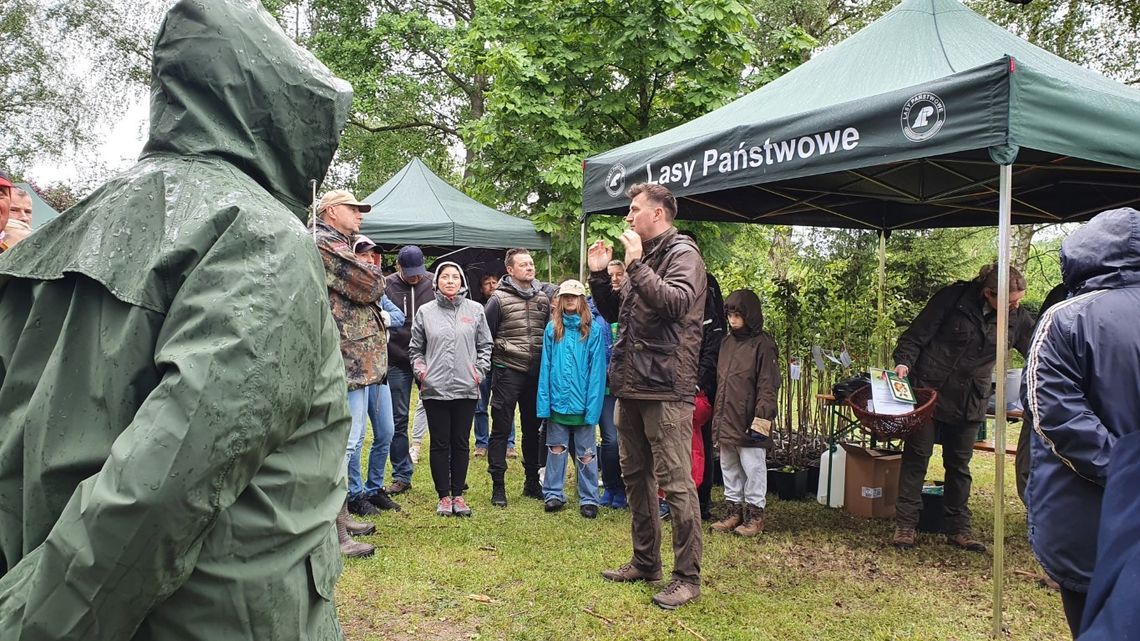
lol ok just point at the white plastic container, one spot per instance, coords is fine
(836, 461)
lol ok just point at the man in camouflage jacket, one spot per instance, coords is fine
(354, 288)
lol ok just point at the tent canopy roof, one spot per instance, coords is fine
(418, 207)
(913, 112)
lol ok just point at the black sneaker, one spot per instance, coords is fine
(383, 501)
(553, 505)
(362, 507)
(588, 511)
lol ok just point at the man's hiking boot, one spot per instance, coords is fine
(398, 486)
(348, 547)
(676, 594)
(554, 505)
(629, 573)
(966, 541)
(733, 517)
(358, 528)
(904, 538)
(753, 521)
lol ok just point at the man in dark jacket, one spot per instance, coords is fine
(653, 373)
(409, 288)
(951, 347)
(171, 383)
(516, 313)
(1082, 393)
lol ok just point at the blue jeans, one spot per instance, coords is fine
(482, 428)
(608, 450)
(585, 460)
(358, 408)
(400, 386)
(380, 416)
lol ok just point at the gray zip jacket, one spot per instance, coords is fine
(450, 348)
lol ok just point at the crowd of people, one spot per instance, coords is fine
(188, 372)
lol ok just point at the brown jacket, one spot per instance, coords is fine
(951, 346)
(354, 287)
(747, 376)
(659, 310)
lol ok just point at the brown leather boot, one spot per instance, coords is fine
(733, 517)
(348, 547)
(358, 528)
(753, 521)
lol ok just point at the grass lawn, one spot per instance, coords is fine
(815, 573)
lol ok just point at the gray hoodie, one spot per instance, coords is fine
(450, 348)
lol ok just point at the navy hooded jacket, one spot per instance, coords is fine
(1083, 392)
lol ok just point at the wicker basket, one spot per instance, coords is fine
(885, 426)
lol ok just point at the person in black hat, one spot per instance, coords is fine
(408, 288)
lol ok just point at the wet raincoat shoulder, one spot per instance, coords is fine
(172, 414)
(572, 377)
(1082, 392)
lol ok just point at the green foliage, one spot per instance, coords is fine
(574, 78)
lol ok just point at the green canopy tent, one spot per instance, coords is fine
(925, 118)
(41, 211)
(418, 207)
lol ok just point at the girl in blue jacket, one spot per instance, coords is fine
(571, 389)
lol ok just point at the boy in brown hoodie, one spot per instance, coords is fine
(748, 378)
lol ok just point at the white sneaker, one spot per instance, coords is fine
(414, 453)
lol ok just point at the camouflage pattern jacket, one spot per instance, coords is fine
(354, 288)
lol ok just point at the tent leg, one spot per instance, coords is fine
(582, 251)
(1005, 188)
(550, 266)
(883, 353)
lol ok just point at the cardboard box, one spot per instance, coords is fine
(871, 486)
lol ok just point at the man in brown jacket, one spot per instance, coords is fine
(653, 373)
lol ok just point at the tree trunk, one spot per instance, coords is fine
(1022, 243)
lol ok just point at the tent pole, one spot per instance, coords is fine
(1005, 188)
(883, 355)
(582, 251)
(550, 266)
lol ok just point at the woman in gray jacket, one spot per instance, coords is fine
(450, 352)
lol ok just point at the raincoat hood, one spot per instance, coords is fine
(1104, 253)
(462, 288)
(248, 109)
(746, 303)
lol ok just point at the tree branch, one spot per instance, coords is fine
(406, 125)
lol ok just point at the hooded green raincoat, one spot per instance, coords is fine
(172, 395)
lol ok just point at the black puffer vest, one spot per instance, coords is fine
(518, 341)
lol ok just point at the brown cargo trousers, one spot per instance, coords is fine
(655, 439)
